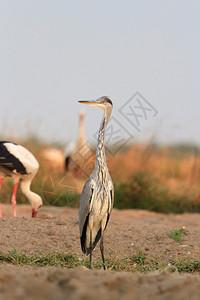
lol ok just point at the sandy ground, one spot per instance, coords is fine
(128, 230)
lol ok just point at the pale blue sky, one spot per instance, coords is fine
(54, 53)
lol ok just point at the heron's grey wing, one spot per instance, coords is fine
(103, 226)
(84, 211)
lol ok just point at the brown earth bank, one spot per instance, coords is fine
(128, 231)
(81, 283)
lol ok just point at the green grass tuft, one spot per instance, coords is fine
(176, 235)
(135, 263)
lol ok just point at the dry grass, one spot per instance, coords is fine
(175, 169)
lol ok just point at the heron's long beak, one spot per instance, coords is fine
(34, 213)
(92, 103)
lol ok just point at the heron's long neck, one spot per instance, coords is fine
(100, 153)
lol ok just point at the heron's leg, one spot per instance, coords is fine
(14, 198)
(102, 251)
(91, 248)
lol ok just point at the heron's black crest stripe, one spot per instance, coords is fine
(106, 99)
(83, 236)
(9, 161)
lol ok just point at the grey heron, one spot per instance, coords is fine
(98, 192)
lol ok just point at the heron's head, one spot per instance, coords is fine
(103, 102)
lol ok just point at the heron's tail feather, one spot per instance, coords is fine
(97, 238)
(83, 237)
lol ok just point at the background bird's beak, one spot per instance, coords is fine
(34, 213)
(93, 102)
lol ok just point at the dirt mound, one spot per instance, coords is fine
(81, 283)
